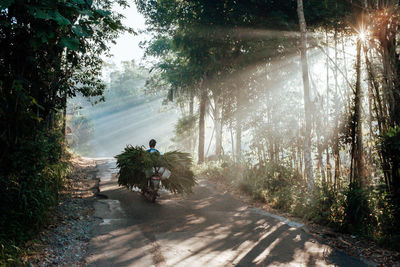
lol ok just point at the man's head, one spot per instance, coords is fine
(152, 143)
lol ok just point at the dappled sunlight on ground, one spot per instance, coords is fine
(204, 229)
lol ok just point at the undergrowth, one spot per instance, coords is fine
(368, 213)
(29, 188)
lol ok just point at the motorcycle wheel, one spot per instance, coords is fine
(153, 198)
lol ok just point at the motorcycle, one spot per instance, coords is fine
(154, 183)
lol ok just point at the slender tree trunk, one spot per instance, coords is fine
(327, 109)
(64, 125)
(238, 142)
(218, 127)
(191, 103)
(321, 162)
(239, 114)
(377, 109)
(357, 149)
(307, 104)
(271, 150)
(336, 153)
(203, 100)
(192, 138)
(232, 141)
(320, 126)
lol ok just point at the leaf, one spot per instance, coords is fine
(70, 43)
(39, 13)
(79, 2)
(86, 12)
(103, 13)
(5, 4)
(61, 20)
(46, 14)
(34, 101)
(80, 31)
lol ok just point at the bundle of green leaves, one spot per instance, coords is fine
(135, 164)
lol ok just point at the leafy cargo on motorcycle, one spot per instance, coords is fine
(136, 165)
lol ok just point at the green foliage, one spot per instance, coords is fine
(135, 167)
(185, 132)
(27, 193)
(357, 213)
(126, 83)
(390, 148)
(182, 179)
(352, 210)
(49, 51)
(10, 253)
(384, 211)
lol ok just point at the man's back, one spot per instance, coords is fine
(152, 150)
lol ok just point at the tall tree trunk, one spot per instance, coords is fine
(192, 138)
(357, 149)
(203, 100)
(191, 103)
(391, 100)
(335, 149)
(239, 120)
(218, 126)
(238, 141)
(270, 137)
(232, 141)
(328, 161)
(307, 104)
(321, 161)
(64, 124)
(377, 109)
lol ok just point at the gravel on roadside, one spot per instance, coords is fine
(65, 239)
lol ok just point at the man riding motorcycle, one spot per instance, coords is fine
(152, 145)
(154, 179)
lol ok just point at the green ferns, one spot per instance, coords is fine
(135, 165)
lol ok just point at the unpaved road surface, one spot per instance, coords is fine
(207, 228)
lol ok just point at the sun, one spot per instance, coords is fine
(362, 35)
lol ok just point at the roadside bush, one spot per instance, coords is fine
(367, 212)
(386, 231)
(319, 208)
(357, 211)
(225, 171)
(30, 186)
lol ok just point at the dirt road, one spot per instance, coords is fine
(208, 228)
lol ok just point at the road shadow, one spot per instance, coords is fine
(207, 228)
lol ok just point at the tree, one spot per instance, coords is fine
(49, 51)
(307, 104)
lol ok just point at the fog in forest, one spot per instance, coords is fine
(134, 112)
(295, 104)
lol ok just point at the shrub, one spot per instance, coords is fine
(366, 212)
(30, 186)
(357, 212)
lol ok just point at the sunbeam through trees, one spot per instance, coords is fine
(295, 103)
